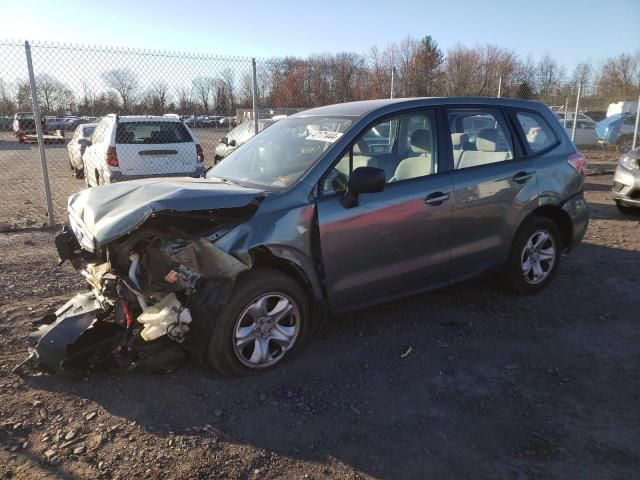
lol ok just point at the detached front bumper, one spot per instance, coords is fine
(59, 341)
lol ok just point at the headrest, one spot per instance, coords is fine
(459, 140)
(487, 140)
(421, 141)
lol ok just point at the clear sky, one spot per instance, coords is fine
(570, 30)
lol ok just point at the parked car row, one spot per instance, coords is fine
(206, 121)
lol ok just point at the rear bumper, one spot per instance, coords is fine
(578, 211)
(115, 176)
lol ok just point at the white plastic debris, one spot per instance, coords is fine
(157, 318)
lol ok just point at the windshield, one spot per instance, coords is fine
(279, 155)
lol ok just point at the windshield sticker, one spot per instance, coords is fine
(324, 136)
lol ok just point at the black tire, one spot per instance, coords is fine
(221, 354)
(513, 278)
(626, 210)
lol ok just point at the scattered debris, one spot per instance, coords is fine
(406, 353)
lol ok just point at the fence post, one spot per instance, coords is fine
(575, 115)
(499, 86)
(566, 112)
(635, 130)
(38, 120)
(393, 81)
(254, 94)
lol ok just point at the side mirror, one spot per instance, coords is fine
(363, 180)
(224, 141)
(83, 142)
(232, 143)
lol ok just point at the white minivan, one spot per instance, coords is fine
(130, 147)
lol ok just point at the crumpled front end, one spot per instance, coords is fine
(154, 295)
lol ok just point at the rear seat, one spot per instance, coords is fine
(485, 153)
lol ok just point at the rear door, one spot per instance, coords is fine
(155, 147)
(493, 187)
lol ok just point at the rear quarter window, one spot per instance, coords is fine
(538, 133)
(152, 133)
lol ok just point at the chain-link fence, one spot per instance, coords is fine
(108, 114)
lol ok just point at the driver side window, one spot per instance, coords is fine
(404, 147)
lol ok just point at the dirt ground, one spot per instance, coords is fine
(495, 385)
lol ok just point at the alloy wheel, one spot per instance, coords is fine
(265, 330)
(538, 257)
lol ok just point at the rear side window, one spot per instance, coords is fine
(152, 133)
(537, 131)
(479, 137)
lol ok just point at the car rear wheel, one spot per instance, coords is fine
(626, 210)
(534, 257)
(266, 321)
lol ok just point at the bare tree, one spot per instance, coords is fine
(125, 83)
(203, 89)
(50, 91)
(159, 95)
(7, 105)
(619, 77)
(549, 77)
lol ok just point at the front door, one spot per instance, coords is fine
(396, 239)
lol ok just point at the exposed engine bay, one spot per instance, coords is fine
(154, 295)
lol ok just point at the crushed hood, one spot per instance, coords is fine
(102, 214)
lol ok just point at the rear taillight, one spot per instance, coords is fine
(579, 163)
(199, 153)
(111, 157)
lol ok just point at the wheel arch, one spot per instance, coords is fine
(558, 216)
(290, 263)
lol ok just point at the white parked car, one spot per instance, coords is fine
(585, 128)
(77, 145)
(130, 147)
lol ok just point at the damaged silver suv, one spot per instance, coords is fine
(331, 209)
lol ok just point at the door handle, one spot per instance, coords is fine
(522, 177)
(436, 199)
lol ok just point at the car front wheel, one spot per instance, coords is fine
(266, 321)
(534, 257)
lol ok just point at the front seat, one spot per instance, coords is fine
(420, 161)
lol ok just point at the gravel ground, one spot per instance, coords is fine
(495, 385)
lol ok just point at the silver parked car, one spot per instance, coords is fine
(626, 183)
(328, 210)
(77, 145)
(239, 135)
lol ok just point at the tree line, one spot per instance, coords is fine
(416, 67)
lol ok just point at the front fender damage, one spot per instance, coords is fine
(154, 298)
